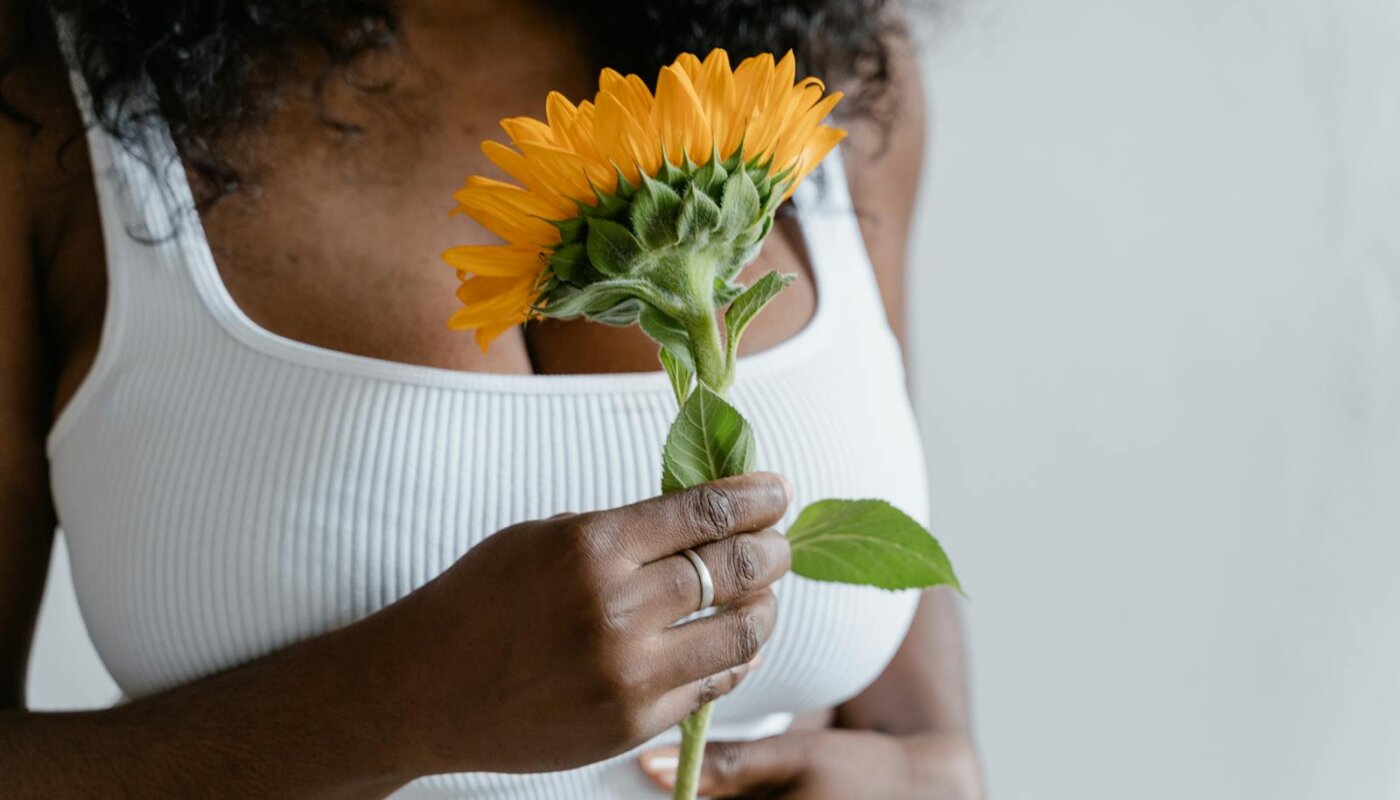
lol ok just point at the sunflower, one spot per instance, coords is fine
(640, 206)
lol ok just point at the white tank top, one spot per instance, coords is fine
(226, 491)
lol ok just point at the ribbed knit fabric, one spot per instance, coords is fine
(227, 491)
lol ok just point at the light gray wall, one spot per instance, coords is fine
(1157, 351)
(1158, 366)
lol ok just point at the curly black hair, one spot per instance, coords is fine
(215, 64)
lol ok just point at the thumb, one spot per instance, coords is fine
(735, 768)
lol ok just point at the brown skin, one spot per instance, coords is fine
(409, 690)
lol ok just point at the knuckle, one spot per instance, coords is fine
(617, 684)
(581, 534)
(708, 689)
(748, 560)
(614, 615)
(626, 725)
(749, 633)
(715, 509)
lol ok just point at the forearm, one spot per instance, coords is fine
(924, 688)
(315, 720)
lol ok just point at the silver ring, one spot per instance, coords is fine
(707, 583)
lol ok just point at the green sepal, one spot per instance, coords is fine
(571, 230)
(711, 177)
(709, 440)
(570, 262)
(747, 305)
(612, 249)
(623, 315)
(609, 206)
(867, 542)
(669, 173)
(656, 209)
(624, 188)
(699, 216)
(741, 205)
(567, 302)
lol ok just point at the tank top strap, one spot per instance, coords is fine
(145, 229)
(841, 265)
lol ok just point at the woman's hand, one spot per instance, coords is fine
(832, 765)
(552, 644)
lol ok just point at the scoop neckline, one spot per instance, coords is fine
(217, 299)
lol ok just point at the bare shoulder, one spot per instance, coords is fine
(884, 166)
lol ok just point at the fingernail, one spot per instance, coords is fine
(788, 490)
(756, 662)
(661, 765)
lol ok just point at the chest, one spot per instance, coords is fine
(334, 238)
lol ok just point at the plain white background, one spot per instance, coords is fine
(1156, 321)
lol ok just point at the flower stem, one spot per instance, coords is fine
(693, 729)
(711, 366)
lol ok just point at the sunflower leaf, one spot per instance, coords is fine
(668, 333)
(867, 542)
(681, 376)
(747, 305)
(708, 441)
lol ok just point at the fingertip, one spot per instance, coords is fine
(660, 765)
(771, 480)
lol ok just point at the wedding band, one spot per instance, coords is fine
(707, 583)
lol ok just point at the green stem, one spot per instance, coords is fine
(707, 349)
(714, 369)
(693, 729)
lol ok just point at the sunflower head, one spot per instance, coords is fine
(640, 206)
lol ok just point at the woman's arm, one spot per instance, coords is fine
(924, 690)
(291, 725)
(423, 686)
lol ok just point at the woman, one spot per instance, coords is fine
(325, 545)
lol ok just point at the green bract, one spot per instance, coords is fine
(666, 255)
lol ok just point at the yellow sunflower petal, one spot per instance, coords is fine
(680, 118)
(510, 212)
(559, 114)
(524, 129)
(492, 306)
(622, 139)
(689, 64)
(569, 171)
(496, 260)
(488, 333)
(490, 300)
(535, 176)
(801, 125)
(817, 148)
(715, 87)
